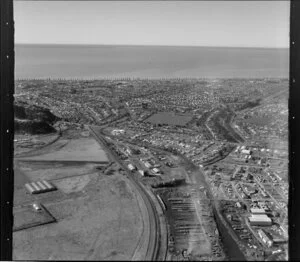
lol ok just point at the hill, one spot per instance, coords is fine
(33, 119)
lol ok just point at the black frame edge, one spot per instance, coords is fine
(294, 131)
(7, 123)
(6, 126)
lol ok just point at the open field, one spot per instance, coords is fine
(103, 223)
(37, 170)
(81, 149)
(169, 118)
(98, 217)
(259, 120)
(26, 143)
(27, 217)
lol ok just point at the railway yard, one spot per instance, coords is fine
(185, 169)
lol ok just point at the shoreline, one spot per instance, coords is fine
(145, 78)
(143, 45)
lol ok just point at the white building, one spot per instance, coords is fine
(257, 211)
(155, 170)
(116, 132)
(142, 172)
(147, 164)
(131, 167)
(260, 220)
(265, 238)
(245, 151)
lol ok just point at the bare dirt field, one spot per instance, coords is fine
(80, 149)
(98, 217)
(259, 120)
(103, 223)
(26, 143)
(27, 217)
(49, 170)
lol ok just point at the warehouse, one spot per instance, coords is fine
(265, 238)
(257, 211)
(142, 172)
(155, 170)
(147, 164)
(260, 220)
(279, 241)
(245, 151)
(39, 187)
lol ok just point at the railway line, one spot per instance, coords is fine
(153, 248)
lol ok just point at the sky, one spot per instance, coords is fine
(176, 23)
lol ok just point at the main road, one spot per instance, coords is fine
(153, 248)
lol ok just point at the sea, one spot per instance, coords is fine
(108, 61)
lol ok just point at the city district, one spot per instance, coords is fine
(161, 169)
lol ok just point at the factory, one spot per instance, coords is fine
(245, 151)
(260, 220)
(143, 172)
(265, 238)
(147, 164)
(257, 211)
(39, 187)
(155, 170)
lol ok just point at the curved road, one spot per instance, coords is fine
(154, 232)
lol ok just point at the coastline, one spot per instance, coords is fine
(120, 61)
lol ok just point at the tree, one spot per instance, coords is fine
(221, 153)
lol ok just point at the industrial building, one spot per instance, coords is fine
(142, 172)
(279, 241)
(265, 238)
(147, 164)
(39, 187)
(245, 151)
(257, 211)
(260, 220)
(155, 170)
(238, 204)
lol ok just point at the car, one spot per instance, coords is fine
(36, 207)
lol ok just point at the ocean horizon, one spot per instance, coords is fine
(140, 61)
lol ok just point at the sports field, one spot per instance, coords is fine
(169, 118)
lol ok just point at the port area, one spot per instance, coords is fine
(93, 214)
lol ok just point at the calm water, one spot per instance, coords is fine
(63, 61)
